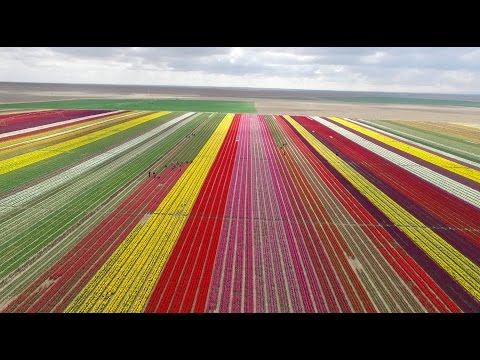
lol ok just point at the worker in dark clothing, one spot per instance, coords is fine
(149, 174)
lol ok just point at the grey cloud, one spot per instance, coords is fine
(257, 60)
(370, 67)
(89, 52)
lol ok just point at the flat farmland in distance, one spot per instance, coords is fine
(209, 207)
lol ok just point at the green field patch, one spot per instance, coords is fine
(225, 106)
(399, 100)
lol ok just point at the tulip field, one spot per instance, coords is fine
(168, 211)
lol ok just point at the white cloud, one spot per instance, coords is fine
(375, 58)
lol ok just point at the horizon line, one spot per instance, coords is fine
(240, 87)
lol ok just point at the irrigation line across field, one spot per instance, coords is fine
(403, 225)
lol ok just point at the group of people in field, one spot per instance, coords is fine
(173, 165)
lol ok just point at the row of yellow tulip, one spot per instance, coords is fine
(25, 144)
(94, 303)
(20, 161)
(57, 132)
(463, 270)
(127, 278)
(450, 165)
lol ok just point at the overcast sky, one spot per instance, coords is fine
(451, 70)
